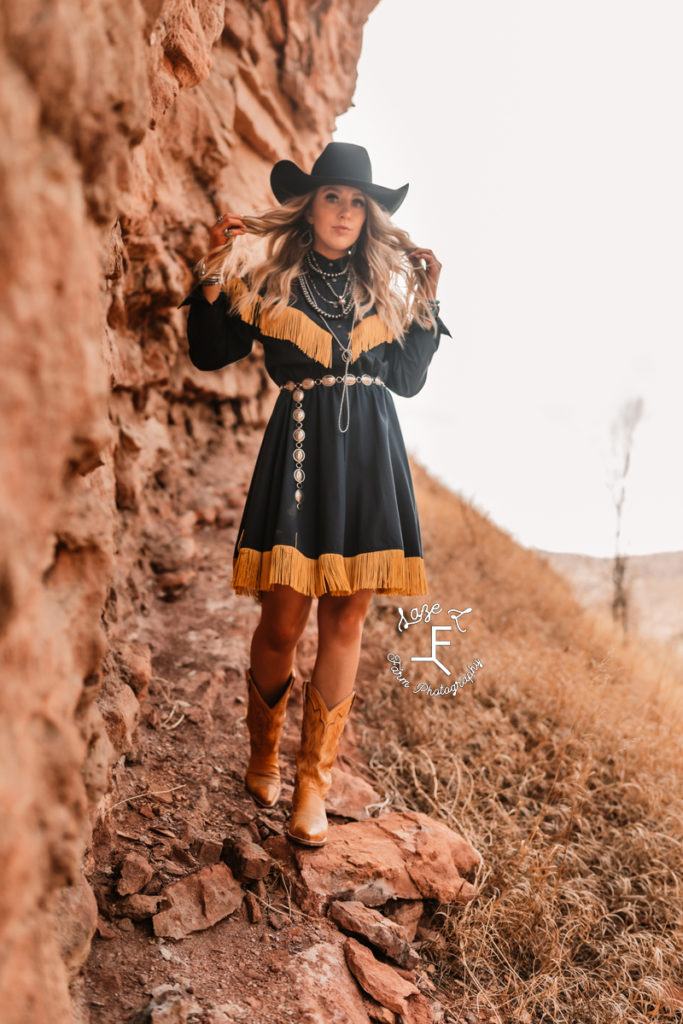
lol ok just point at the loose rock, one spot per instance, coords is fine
(325, 991)
(136, 872)
(407, 913)
(209, 852)
(385, 935)
(198, 901)
(379, 980)
(249, 861)
(253, 909)
(170, 1004)
(379, 1013)
(386, 986)
(138, 907)
(436, 856)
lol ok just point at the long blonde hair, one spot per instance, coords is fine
(385, 277)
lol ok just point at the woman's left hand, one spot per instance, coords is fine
(433, 267)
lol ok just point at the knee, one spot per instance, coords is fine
(344, 618)
(281, 634)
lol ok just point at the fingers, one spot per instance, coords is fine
(423, 254)
(226, 226)
(432, 268)
(231, 223)
(432, 265)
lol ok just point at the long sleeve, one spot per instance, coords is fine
(216, 336)
(408, 365)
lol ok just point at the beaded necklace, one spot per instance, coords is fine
(342, 302)
(312, 263)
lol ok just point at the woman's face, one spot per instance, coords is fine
(336, 217)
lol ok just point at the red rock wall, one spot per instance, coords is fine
(127, 126)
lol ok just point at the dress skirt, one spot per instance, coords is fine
(357, 525)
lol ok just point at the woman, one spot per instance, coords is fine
(346, 313)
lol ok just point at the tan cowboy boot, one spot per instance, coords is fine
(321, 732)
(265, 728)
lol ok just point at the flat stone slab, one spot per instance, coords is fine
(198, 901)
(403, 855)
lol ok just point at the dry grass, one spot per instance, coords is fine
(562, 764)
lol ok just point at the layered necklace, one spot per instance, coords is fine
(312, 276)
(328, 292)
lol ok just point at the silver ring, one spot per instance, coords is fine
(226, 232)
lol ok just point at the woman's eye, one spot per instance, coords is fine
(331, 196)
(359, 202)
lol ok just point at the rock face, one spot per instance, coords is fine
(127, 126)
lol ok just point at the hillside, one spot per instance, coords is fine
(568, 779)
(559, 762)
(654, 585)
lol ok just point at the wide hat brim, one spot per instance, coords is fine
(340, 163)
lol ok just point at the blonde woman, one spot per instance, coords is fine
(345, 307)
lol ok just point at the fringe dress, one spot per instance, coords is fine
(342, 516)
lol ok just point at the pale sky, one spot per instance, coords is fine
(543, 146)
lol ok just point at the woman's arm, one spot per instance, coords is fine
(216, 336)
(406, 372)
(408, 365)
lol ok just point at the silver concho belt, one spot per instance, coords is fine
(298, 415)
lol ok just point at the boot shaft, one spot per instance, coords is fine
(265, 723)
(265, 726)
(321, 733)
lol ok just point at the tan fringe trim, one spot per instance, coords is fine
(295, 326)
(235, 289)
(291, 325)
(386, 572)
(368, 334)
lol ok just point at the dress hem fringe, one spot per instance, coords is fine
(385, 572)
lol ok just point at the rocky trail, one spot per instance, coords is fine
(206, 912)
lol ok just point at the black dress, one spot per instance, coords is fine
(351, 523)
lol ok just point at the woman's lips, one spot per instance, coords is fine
(340, 227)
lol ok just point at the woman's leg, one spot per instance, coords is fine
(284, 613)
(269, 685)
(340, 631)
(328, 698)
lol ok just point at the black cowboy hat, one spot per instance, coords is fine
(340, 163)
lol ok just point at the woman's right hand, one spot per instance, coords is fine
(225, 221)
